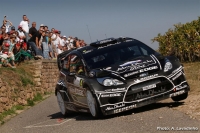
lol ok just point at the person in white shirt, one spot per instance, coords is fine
(21, 34)
(24, 23)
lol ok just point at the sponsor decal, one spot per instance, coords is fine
(129, 40)
(108, 68)
(91, 74)
(145, 78)
(148, 93)
(133, 65)
(60, 82)
(129, 63)
(177, 93)
(115, 106)
(143, 74)
(178, 75)
(105, 41)
(181, 87)
(112, 95)
(117, 89)
(87, 51)
(76, 91)
(125, 108)
(130, 74)
(147, 69)
(149, 87)
(106, 46)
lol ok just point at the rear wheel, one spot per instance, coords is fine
(180, 97)
(92, 104)
(61, 104)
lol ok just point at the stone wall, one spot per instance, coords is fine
(45, 75)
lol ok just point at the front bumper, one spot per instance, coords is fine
(139, 93)
(124, 106)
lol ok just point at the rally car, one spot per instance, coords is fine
(116, 75)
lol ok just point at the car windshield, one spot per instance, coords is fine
(102, 57)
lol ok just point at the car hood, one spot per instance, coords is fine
(126, 69)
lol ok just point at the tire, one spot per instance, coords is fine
(92, 104)
(61, 103)
(180, 97)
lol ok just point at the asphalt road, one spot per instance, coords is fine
(46, 118)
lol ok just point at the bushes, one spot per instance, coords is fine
(183, 41)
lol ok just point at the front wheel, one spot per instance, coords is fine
(61, 104)
(180, 97)
(92, 104)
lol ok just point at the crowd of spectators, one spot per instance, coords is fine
(41, 43)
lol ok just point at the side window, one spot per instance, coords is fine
(65, 63)
(76, 65)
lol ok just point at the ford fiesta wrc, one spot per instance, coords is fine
(115, 75)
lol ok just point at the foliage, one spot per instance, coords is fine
(183, 41)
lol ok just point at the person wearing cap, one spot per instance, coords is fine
(54, 43)
(21, 34)
(25, 27)
(64, 42)
(42, 26)
(59, 43)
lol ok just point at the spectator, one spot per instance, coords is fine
(44, 44)
(42, 26)
(59, 43)
(45, 28)
(25, 27)
(32, 30)
(64, 43)
(52, 30)
(54, 43)
(50, 45)
(4, 55)
(12, 30)
(21, 34)
(34, 44)
(3, 29)
(7, 26)
(11, 48)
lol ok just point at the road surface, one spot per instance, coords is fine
(46, 118)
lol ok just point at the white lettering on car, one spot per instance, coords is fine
(112, 95)
(76, 91)
(115, 106)
(145, 78)
(149, 87)
(178, 75)
(117, 89)
(177, 93)
(125, 108)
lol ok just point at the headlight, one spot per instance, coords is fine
(112, 82)
(168, 66)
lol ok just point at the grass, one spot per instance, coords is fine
(192, 72)
(21, 73)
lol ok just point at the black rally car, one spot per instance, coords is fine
(116, 75)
